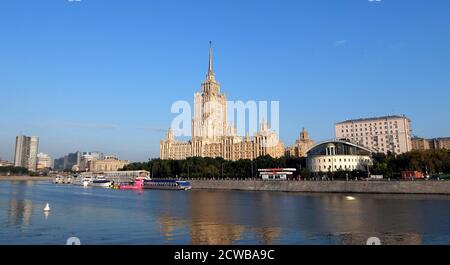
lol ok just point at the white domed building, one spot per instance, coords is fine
(338, 155)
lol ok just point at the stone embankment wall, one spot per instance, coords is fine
(392, 187)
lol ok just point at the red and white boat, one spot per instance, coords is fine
(138, 184)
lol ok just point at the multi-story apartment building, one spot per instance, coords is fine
(212, 136)
(86, 157)
(44, 161)
(58, 164)
(72, 160)
(26, 152)
(380, 134)
(434, 143)
(77, 161)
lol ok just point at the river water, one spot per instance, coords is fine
(104, 216)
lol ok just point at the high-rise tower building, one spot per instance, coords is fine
(26, 152)
(212, 137)
(210, 108)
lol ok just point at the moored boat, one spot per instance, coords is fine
(166, 184)
(102, 183)
(137, 185)
(58, 180)
(83, 181)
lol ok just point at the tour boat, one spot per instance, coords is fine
(136, 186)
(166, 184)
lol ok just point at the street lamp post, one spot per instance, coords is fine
(252, 168)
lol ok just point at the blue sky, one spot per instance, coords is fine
(102, 75)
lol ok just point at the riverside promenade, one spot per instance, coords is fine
(360, 186)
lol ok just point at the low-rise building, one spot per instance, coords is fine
(5, 163)
(109, 163)
(276, 173)
(338, 155)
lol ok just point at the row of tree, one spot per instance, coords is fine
(390, 166)
(432, 162)
(15, 171)
(205, 167)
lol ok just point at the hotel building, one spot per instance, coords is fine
(212, 136)
(380, 134)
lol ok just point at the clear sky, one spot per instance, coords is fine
(102, 75)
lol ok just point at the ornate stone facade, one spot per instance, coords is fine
(212, 137)
(109, 163)
(301, 146)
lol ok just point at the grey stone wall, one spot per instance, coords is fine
(394, 187)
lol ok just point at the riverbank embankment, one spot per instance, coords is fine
(26, 178)
(388, 187)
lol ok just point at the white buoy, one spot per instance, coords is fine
(350, 198)
(47, 208)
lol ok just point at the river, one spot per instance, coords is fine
(105, 216)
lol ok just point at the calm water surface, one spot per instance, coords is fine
(103, 216)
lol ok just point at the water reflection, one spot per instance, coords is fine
(269, 235)
(168, 225)
(46, 214)
(368, 216)
(20, 209)
(225, 217)
(19, 212)
(102, 216)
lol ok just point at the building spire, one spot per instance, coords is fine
(210, 75)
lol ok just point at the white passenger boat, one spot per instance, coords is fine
(83, 181)
(58, 180)
(101, 182)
